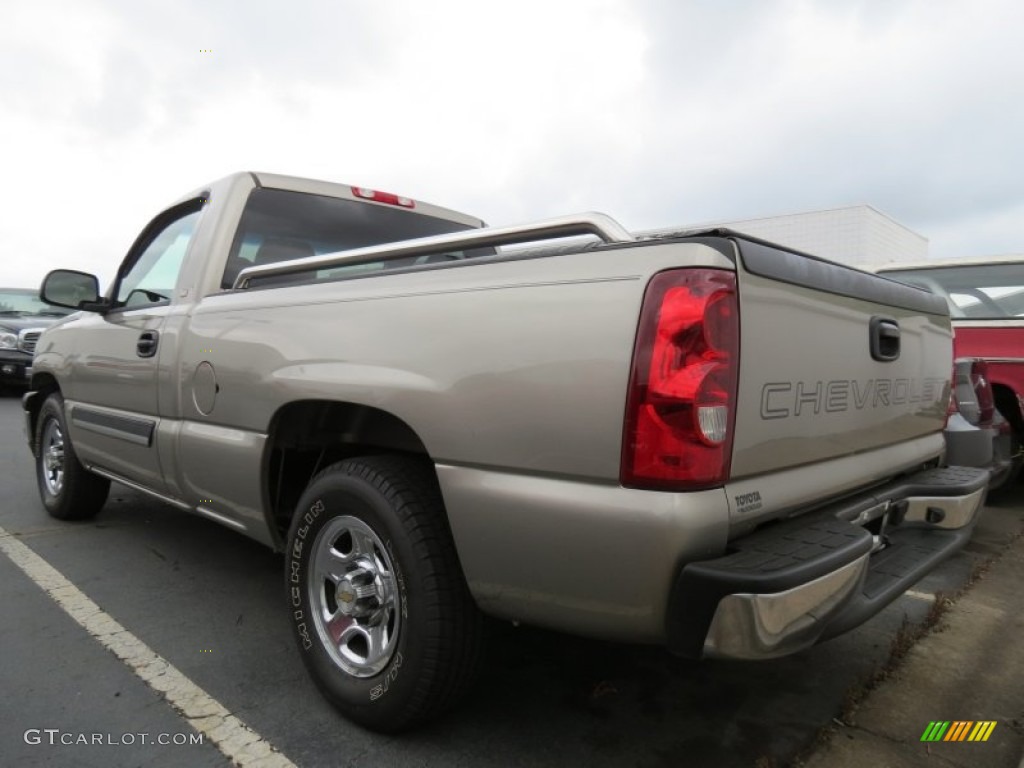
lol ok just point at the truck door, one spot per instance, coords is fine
(113, 414)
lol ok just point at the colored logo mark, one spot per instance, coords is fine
(959, 730)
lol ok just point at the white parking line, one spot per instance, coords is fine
(239, 743)
(920, 595)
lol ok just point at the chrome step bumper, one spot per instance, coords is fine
(792, 584)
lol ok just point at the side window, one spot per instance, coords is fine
(151, 277)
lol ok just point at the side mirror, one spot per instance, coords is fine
(75, 290)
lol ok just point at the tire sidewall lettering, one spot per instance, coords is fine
(314, 512)
(390, 675)
(372, 690)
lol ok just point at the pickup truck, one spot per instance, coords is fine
(986, 301)
(693, 439)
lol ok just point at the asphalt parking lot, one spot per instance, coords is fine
(211, 603)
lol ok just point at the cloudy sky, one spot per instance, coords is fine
(658, 112)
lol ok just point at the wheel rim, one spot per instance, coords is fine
(355, 598)
(52, 457)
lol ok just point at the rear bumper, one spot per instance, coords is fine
(988, 447)
(968, 445)
(795, 583)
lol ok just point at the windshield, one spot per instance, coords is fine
(24, 301)
(980, 291)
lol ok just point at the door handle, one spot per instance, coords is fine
(885, 339)
(146, 346)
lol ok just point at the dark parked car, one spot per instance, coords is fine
(23, 316)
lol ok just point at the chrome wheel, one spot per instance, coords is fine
(52, 448)
(355, 598)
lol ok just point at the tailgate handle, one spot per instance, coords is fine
(885, 339)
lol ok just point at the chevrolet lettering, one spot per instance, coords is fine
(780, 400)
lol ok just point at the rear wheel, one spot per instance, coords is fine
(379, 605)
(68, 490)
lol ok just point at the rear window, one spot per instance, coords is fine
(981, 291)
(280, 225)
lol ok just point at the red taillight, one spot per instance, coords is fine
(383, 197)
(682, 390)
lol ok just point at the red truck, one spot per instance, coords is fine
(986, 302)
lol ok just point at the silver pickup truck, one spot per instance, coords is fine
(694, 439)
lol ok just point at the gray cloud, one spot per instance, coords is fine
(167, 62)
(722, 111)
(924, 123)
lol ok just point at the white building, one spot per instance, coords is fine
(856, 234)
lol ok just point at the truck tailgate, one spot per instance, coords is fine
(834, 363)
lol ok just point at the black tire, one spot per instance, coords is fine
(68, 490)
(380, 609)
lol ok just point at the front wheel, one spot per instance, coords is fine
(379, 606)
(68, 490)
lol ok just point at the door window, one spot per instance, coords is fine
(153, 273)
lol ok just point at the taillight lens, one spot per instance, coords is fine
(682, 392)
